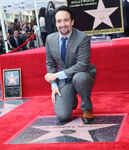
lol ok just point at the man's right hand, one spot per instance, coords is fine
(54, 92)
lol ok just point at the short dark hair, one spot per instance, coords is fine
(28, 31)
(64, 8)
(15, 20)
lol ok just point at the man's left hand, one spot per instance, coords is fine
(49, 77)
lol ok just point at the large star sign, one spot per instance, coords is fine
(75, 129)
(101, 14)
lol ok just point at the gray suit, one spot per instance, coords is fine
(77, 68)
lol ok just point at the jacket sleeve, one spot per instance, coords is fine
(50, 62)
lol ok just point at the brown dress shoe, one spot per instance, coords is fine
(87, 116)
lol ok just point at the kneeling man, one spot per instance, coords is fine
(69, 70)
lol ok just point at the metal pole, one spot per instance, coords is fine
(3, 29)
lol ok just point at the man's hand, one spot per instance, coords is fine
(49, 77)
(54, 92)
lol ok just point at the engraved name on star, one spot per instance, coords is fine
(80, 129)
(101, 14)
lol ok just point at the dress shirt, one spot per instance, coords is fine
(16, 39)
(10, 46)
(60, 74)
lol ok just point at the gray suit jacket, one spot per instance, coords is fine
(77, 54)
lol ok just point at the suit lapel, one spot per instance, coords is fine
(55, 43)
(70, 43)
(56, 46)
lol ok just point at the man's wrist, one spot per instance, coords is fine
(54, 85)
(61, 75)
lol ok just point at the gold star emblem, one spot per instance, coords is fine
(101, 14)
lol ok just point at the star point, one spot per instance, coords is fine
(101, 14)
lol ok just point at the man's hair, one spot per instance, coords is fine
(15, 20)
(64, 8)
(15, 30)
(28, 31)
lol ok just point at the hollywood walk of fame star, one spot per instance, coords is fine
(75, 129)
(12, 79)
(101, 14)
(7, 108)
(9, 105)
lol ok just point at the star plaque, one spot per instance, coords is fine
(12, 83)
(98, 16)
(104, 128)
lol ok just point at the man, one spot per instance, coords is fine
(30, 44)
(1, 44)
(8, 42)
(16, 41)
(16, 25)
(75, 74)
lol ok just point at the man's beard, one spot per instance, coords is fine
(64, 31)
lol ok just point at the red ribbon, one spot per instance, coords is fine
(22, 44)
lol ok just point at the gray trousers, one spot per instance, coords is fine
(82, 83)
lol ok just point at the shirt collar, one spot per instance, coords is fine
(60, 36)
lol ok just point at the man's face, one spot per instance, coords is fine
(16, 34)
(8, 36)
(63, 22)
(28, 34)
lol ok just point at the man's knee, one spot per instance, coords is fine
(81, 78)
(63, 116)
(63, 107)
